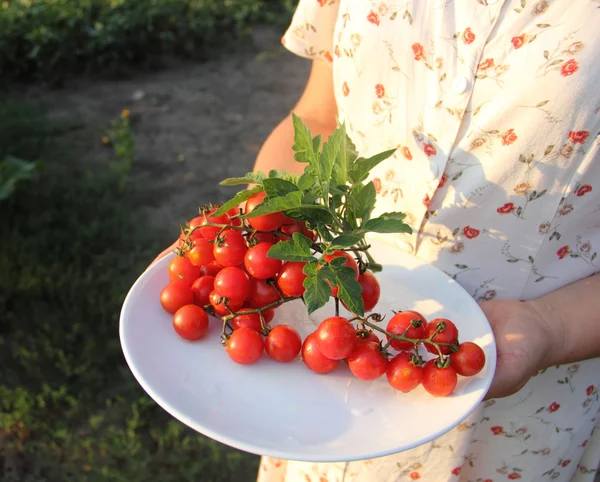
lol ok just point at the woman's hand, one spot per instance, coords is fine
(524, 342)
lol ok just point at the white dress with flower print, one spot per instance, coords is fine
(494, 108)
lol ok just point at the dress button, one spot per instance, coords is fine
(405, 245)
(459, 85)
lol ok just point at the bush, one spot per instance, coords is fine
(49, 39)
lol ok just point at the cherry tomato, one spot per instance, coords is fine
(194, 225)
(231, 249)
(364, 337)
(259, 264)
(190, 322)
(261, 293)
(291, 278)
(211, 269)
(245, 346)
(202, 288)
(269, 314)
(402, 374)
(314, 359)
(234, 284)
(267, 222)
(366, 362)
(249, 320)
(220, 308)
(283, 343)
(350, 261)
(174, 296)
(469, 360)
(201, 253)
(291, 226)
(399, 323)
(371, 290)
(210, 232)
(181, 270)
(439, 382)
(265, 237)
(448, 335)
(336, 337)
(234, 211)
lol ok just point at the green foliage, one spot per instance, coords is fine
(71, 244)
(332, 198)
(49, 39)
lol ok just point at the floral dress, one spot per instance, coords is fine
(493, 107)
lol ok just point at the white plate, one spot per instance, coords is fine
(286, 410)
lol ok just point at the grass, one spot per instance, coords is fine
(71, 244)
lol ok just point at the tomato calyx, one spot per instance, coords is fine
(442, 362)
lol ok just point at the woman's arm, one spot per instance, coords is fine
(316, 107)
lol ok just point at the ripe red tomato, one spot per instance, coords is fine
(469, 360)
(249, 320)
(399, 323)
(366, 361)
(291, 277)
(234, 211)
(439, 382)
(201, 253)
(202, 288)
(232, 248)
(267, 222)
(362, 337)
(371, 290)
(194, 225)
(174, 296)
(258, 263)
(234, 284)
(336, 337)
(283, 343)
(181, 270)
(291, 226)
(269, 314)
(220, 308)
(265, 237)
(190, 322)
(314, 359)
(210, 232)
(448, 335)
(261, 293)
(402, 374)
(350, 261)
(211, 269)
(245, 346)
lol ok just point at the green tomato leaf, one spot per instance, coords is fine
(270, 205)
(324, 233)
(334, 155)
(287, 176)
(387, 223)
(351, 152)
(239, 198)
(296, 249)
(278, 187)
(250, 178)
(345, 241)
(349, 290)
(359, 171)
(303, 143)
(308, 179)
(310, 269)
(317, 214)
(364, 201)
(317, 143)
(317, 292)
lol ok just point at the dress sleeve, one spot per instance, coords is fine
(311, 31)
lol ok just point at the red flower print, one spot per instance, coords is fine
(380, 91)
(583, 190)
(429, 150)
(578, 136)
(561, 253)
(514, 476)
(323, 479)
(322, 2)
(554, 406)
(443, 180)
(426, 200)
(518, 41)
(565, 463)
(589, 390)
(373, 17)
(417, 51)
(456, 471)
(497, 430)
(468, 36)
(415, 476)
(569, 68)
(470, 232)
(328, 56)
(506, 208)
(486, 64)
(509, 137)
(336, 51)
(377, 185)
(584, 443)
(406, 153)
(345, 89)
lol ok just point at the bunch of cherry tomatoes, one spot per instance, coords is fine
(222, 268)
